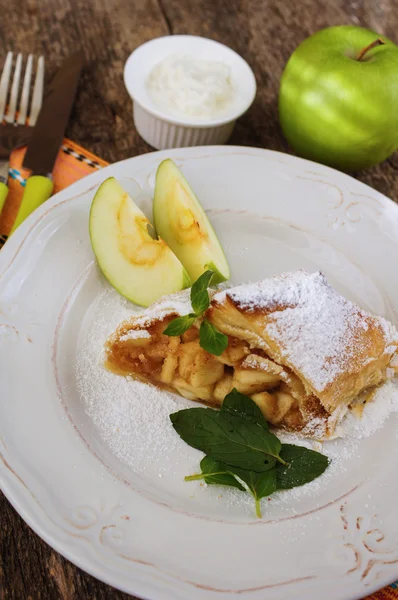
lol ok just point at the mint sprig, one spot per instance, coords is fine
(215, 473)
(200, 298)
(210, 339)
(236, 404)
(180, 325)
(303, 465)
(259, 485)
(240, 448)
(226, 439)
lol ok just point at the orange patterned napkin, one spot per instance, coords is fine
(73, 163)
(387, 593)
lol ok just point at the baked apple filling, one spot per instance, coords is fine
(299, 349)
(179, 364)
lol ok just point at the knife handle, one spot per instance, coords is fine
(37, 190)
(3, 194)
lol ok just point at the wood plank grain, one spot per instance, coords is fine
(264, 32)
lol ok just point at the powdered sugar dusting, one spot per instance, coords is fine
(344, 450)
(383, 403)
(318, 330)
(135, 334)
(255, 362)
(132, 419)
(283, 290)
(178, 304)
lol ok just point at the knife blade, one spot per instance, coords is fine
(47, 136)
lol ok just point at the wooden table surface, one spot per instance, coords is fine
(264, 32)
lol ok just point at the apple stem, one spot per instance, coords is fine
(378, 42)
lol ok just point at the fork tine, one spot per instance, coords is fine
(10, 116)
(37, 97)
(23, 107)
(4, 82)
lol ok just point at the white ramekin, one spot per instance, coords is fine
(163, 131)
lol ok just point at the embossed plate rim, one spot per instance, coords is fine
(349, 211)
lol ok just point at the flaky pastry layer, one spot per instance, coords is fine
(299, 349)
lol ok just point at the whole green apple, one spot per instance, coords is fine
(338, 98)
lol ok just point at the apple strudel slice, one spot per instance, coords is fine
(299, 349)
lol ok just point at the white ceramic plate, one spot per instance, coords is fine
(158, 537)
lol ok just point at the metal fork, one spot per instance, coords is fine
(17, 128)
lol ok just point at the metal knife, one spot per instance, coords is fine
(47, 136)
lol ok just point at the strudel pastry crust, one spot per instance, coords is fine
(299, 349)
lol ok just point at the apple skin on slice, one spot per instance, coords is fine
(181, 221)
(139, 267)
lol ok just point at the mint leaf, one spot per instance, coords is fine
(303, 466)
(272, 443)
(215, 473)
(259, 484)
(240, 448)
(179, 325)
(227, 438)
(211, 339)
(244, 407)
(200, 299)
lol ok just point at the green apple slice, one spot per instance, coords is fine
(181, 221)
(139, 267)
